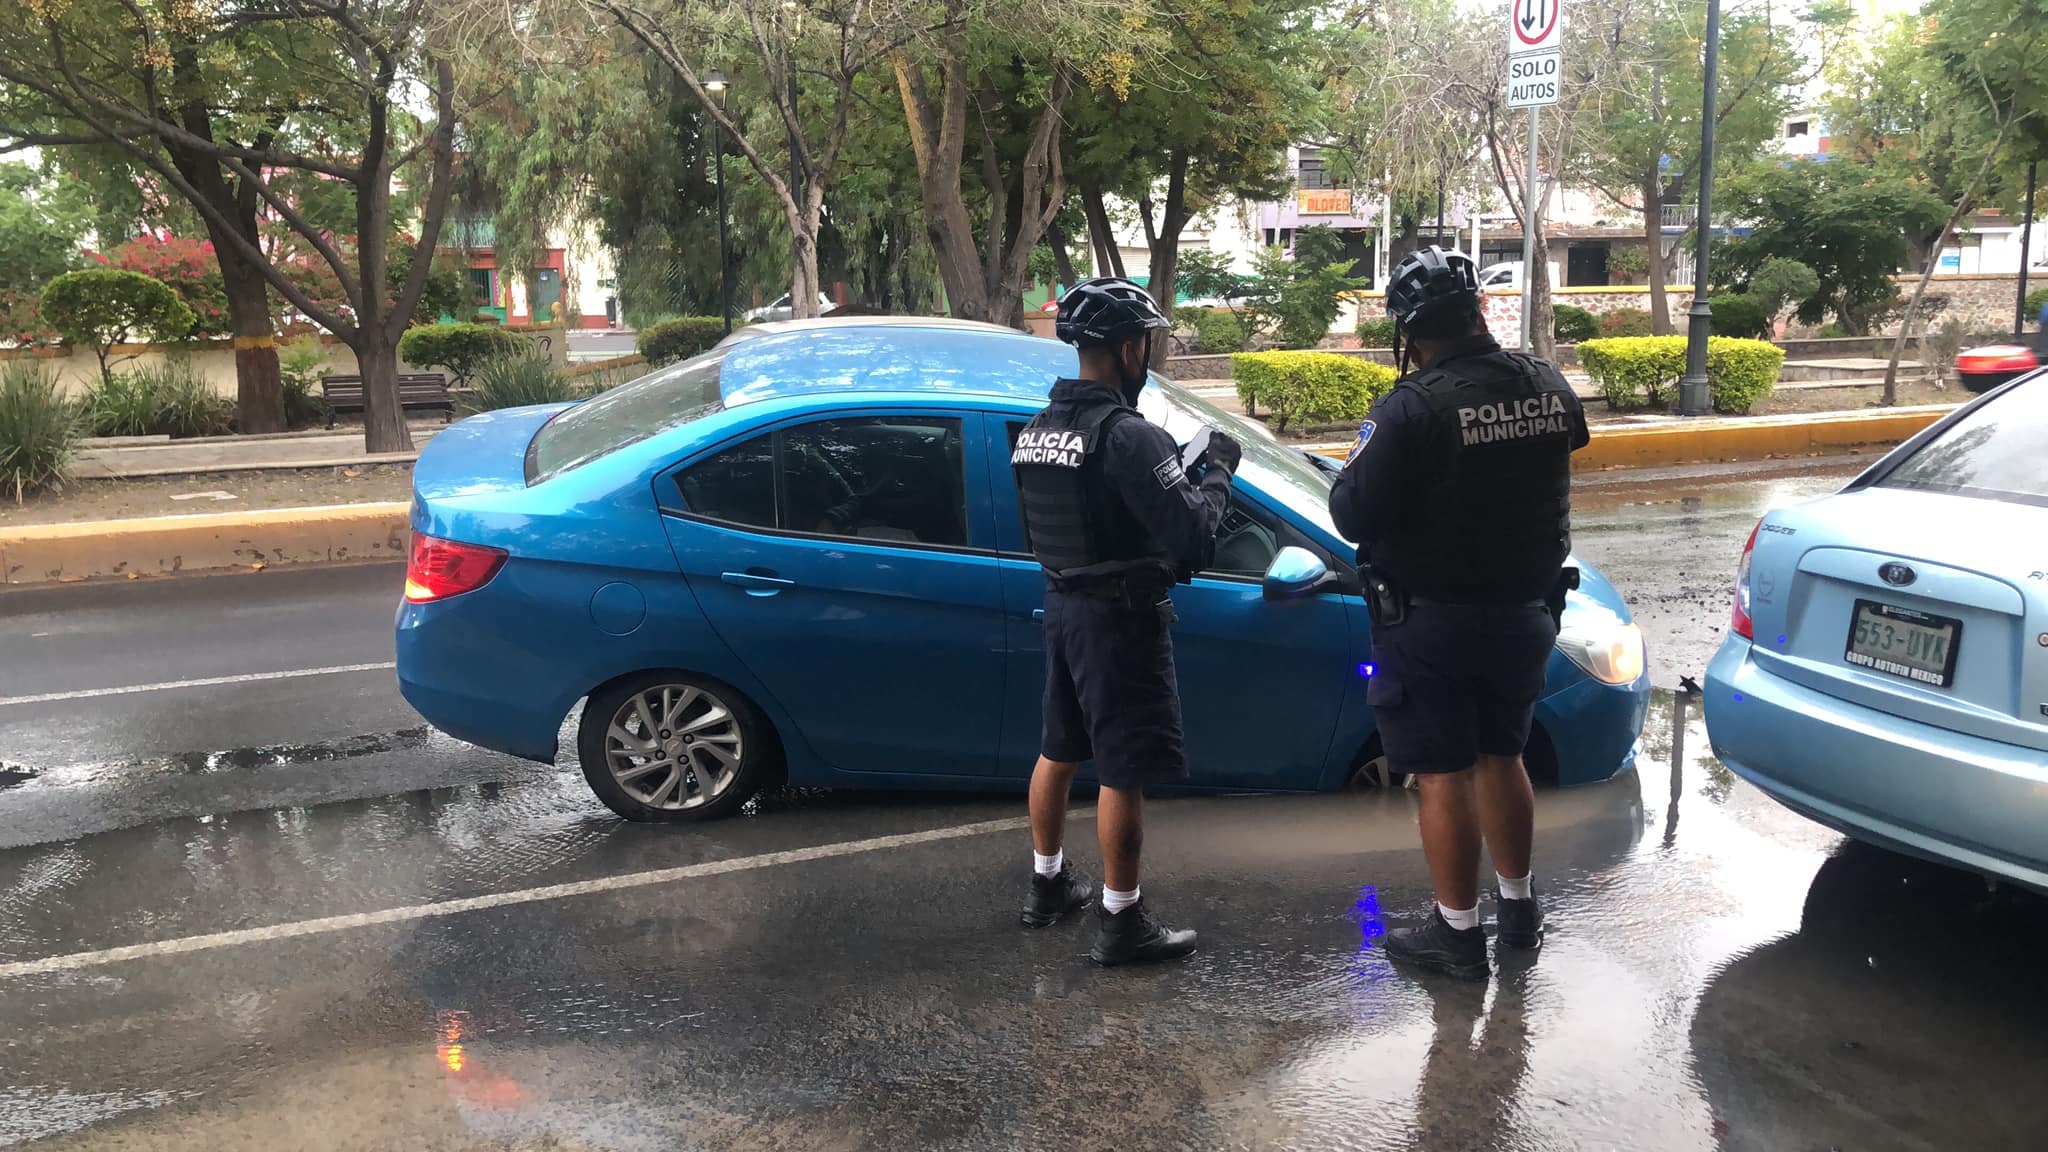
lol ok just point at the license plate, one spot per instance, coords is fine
(1918, 646)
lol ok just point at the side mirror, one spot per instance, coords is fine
(1297, 573)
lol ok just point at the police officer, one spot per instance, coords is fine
(1115, 520)
(1458, 494)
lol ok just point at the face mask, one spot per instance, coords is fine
(1135, 385)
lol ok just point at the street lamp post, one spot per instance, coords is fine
(2019, 319)
(715, 84)
(1694, 398)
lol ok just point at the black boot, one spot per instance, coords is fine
(1054, 896)
(1132, 936)
(1437, 946)
(1518, 923)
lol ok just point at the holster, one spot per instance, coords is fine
(1567, 580)
(1385, 603)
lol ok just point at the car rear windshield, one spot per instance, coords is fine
(628, 414)
(1995, 452)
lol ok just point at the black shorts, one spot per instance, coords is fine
(1110, 691)
(1453, 682)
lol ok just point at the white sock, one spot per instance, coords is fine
(1513, 889)
(1114, 902)
(1049, 865)
(1461, 920)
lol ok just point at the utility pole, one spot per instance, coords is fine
(715, 84)
(1694, 396)
(1529, 269)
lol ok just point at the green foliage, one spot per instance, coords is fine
(1309, 387)
(1217, 330)
(1375, 330)
(1640, 371)
(1202, 274)
(299, 366)
(102, 307)
(42, 223)
(1847, 222)
(1626, 322)
(2036, 300)
(1832, 330)
(679, 338)
(1297, 300)
(1778, 282)
(39, 429)
(163, 399)
(1741, 314)
(448, 291)
(519, 380)
(1573, 324)
(460, 348)
(1631, 262)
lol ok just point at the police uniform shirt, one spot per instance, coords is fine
(1462, 495)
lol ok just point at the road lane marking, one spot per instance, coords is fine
(413, 912)
(205, 682)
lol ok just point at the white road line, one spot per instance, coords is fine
(326, 924)
(206, 682)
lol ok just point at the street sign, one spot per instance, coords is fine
(1533, 78)
(1533, 25)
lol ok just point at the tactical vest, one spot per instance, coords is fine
(1076, 526)
(1496, 522)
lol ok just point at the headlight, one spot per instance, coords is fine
(1610, 653)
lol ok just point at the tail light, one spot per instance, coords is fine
(1742, 624)
(438, 569)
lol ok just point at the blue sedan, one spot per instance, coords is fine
(798, 557)
(1887, 669)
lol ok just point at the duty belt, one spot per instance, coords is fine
(1132, 589)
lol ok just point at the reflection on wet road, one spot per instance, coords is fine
(1719, 974)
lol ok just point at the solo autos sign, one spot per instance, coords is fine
(1533, 78)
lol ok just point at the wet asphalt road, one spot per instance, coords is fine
(843, 971)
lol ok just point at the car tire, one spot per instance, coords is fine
(671, 746)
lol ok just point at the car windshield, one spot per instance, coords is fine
(1993, 453)
(1286, 475)
(628, 414)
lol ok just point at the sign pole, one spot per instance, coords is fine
(1529, 270)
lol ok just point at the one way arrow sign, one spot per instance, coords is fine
(1533, 25)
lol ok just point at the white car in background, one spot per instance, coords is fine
(784, 309)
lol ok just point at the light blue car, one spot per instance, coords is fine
(1887, 669)
(798, 557)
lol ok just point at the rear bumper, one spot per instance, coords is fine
(1908, 786)
(472, 681)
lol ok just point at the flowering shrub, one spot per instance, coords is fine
(190, 268)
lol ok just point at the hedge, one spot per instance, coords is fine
(1741, 314)
(680, 338)
(1626, 322)
(1309, 387)
(2036, 300)
(1217, 330)
(1638, 371)
(1376, 331)
(460, 348)
(1572, 325)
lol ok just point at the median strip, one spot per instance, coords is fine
(161, 545)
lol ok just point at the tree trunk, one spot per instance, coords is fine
(1166, 244)
(803, 289)
(1109, 260)
(938, 138)
(1062, 259)
(384, 428)
(1653, 234)
(259, 389)
(1543, 323)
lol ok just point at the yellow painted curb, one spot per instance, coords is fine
(40, 553)
(1745, 437)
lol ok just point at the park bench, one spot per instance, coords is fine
(424, 391)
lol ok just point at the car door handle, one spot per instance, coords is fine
(1038, 615)
(756, 585)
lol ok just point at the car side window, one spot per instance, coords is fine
(1247, 540)
(737, 485)
(883, 478)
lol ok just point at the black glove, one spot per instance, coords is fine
(1224, 452)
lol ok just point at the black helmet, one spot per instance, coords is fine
(1427, 282)
(1105, 310)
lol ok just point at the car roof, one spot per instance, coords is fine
(904, 354)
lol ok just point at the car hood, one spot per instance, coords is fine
(485, 453)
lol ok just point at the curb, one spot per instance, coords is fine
(160, 545)
(1737, 438)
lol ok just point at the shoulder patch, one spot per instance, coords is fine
(1365, 432)
(1057, 447)
(1169, 472)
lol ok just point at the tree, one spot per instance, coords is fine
(189, 267)
(1645, 135)
(1843, 220)
(232, 108)
(43, 223)
(102, 307)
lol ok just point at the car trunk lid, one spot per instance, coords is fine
(1947, 587)
(483, 454)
